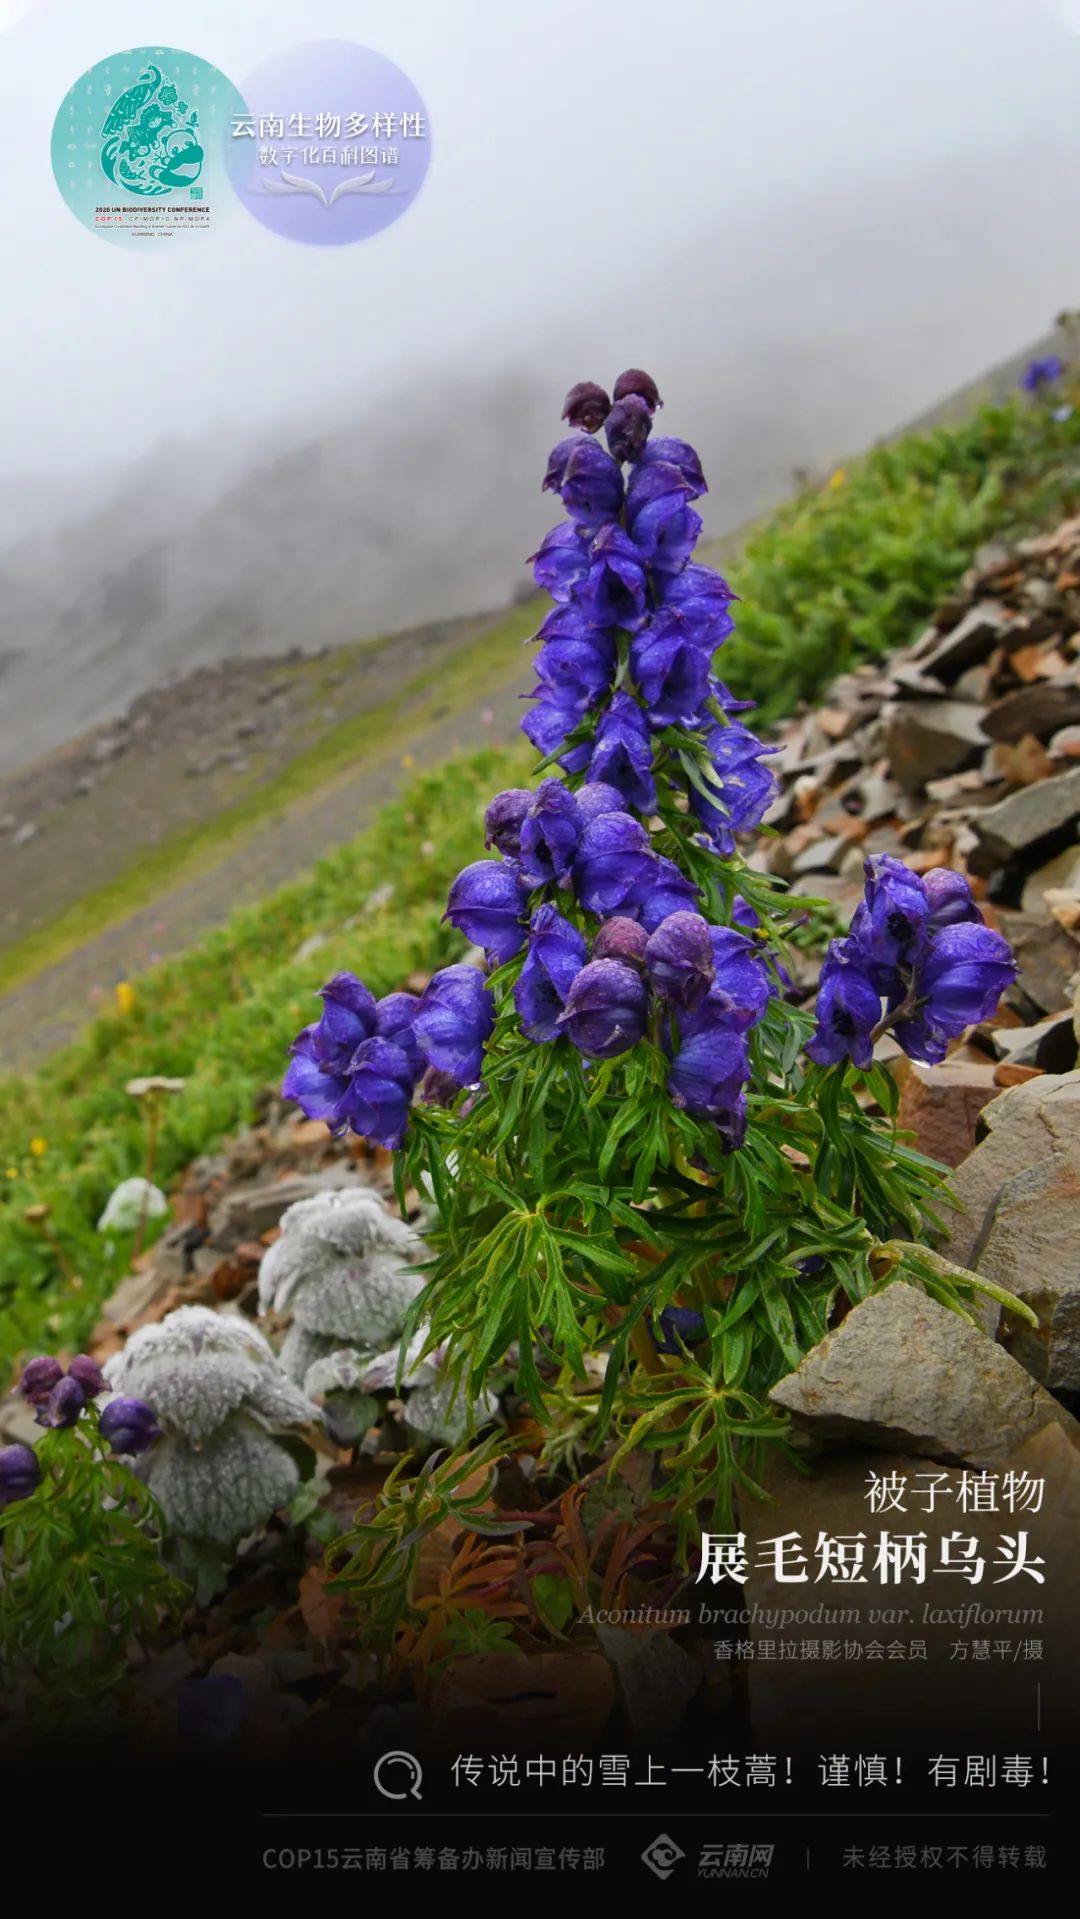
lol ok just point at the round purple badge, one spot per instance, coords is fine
(334, 145)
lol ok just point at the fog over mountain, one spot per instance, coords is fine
(877, 211)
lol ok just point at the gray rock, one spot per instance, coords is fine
(254, 1210)
(903, 1371)
(24, 834)
(969, 643)
(824, 856)
(926, 738)
(1063, 872)
(1030, 1238)
(1050, 1045)
(1022, 1126)
(656, 1679)
(1041, 709)
(1025, 818)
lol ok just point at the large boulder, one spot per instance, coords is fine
(904, 1373)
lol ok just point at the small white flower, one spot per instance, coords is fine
(134, 1199)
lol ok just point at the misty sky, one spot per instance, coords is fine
(648, 159)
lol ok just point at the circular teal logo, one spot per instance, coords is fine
(138, 146)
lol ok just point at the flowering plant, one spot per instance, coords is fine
(629, 1154)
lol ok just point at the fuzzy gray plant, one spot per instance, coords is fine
(219, 1393)
(343, 1269)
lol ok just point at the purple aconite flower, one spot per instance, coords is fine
(615, 587)
(549, 724)
(586, 406)
(628, 427)
(575, 671)
(129, 1426)
(662, 526)
(63, 1406)
(664, 890)
(596, 797)
(453, 1022)
(561, 561)
(710, 1069)
(348, 1017)
(679, 959)
(555, 957)
(550, 833)
(38, 1379)
(890, 927)
(487, 901)
(949, 898)
(587, 480)
(605, 1009)
(670, 671)
(502, 821)
(211, 1708)
(677, 454)
(635, 381)
(20, 1474)
(621, 939)
(1041, 372)
(741, 988)
(614, 857)
(678, 1326)
(395, 1020)
(848, 1008)
(622, 753)
(744, 788)
(315, 1089)
(89, 1375)
(966, 971)
(380, 1091)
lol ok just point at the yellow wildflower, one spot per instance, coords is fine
(125, 996)
(39, 1147)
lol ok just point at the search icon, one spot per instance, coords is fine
(414, 1775)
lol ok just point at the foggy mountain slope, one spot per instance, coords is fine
(779, 344)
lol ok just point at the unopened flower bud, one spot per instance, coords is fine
(39, 1378)
(129, 1426)
(586, 406)
(19, 1473)
(64, 1404)
(89, 1375)
(635, 381)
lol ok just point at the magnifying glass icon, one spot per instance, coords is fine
(412, 1775)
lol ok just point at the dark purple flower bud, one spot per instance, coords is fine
(89, 1375)
(678, 1326)
(635, 381)
(949, 897)
(19, 1474)
(622, 753)
(129, 1426)
(395, 1017)
(348, 1018)
(561, 562)
(586, 406)
(615, 592)
(710, 1069)
(318, 1092)
(587, 480)
(666, 890)
(502, 821)
(550, 833)
(682, 457)
(848, 1008)
(1042, 372)
(613, 858)
(965, 973)
(629, 425)
(680, 961)
(39, 1378)
(621, 939)
(595, 797)
(605, 1009)
(577, 672)
(487, 901)
(556, 955)
(663, 528)
(671, 673)
(549, 724)
(745, 789)
(380, 1090)
(893, 930)
(63, 1406)
(456, 1017)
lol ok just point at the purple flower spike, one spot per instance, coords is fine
(129, 1426)
(556, 955)
(671, 673)
(550, 833)
(680, 961)
(486, 903)
(502, 821)
(622, 939)
(613, 858)
(89, 1375)
(605, 1009)
(20, 1474)
(39, 1378)
(586, 406)
(965, 974)
(454, 1021)
(622, 753)
(635, 381)
(63, 1406)
(663, 527)
(628, 427)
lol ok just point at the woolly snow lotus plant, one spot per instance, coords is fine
(629, 1150)
(219, 1393)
